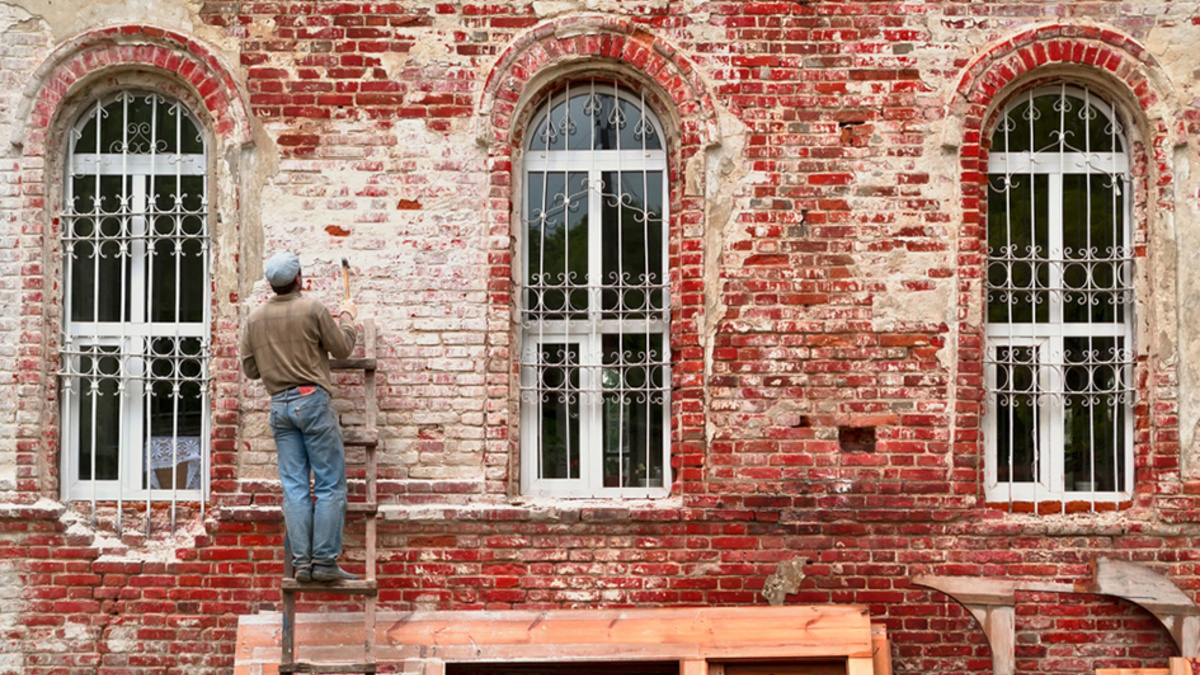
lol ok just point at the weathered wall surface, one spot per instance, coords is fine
(826, 245)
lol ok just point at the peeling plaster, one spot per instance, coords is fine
(720, 170)
(898, 307)
(70, 17)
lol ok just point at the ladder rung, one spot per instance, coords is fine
(352, 364)
(360, 436)
(360, 587)
(307, 667)
(362, 507)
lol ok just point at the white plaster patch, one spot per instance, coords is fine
(123, 639)
(550, 8)
(8, 468)
(899, 305)
(71, 17)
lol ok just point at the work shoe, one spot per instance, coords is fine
(327, 573)
(303, 574)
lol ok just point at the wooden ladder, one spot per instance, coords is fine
(366, 436)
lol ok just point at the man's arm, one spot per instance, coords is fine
(249, 365)
(338, 338)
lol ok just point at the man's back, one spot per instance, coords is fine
(287, 342)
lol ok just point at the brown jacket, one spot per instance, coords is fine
(288, 340)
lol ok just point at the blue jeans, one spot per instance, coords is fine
(308, 437)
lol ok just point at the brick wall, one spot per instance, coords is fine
(826, 165)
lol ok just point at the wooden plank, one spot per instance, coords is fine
(792, 631)
(306, 667)
(787, 668)
(693, 667)
(881, 650)
(360, 587)
(654, 634)
(288, 651)
(860, 666)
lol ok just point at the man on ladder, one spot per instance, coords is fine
(287, 342)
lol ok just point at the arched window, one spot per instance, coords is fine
(1060, 300)
(595, 306)
(135, 345)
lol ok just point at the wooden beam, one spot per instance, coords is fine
(1153, 592)
(693, 667)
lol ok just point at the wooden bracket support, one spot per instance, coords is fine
(991, 602)
(1153, 592)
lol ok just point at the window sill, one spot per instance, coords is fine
(1110, 523)
(1060, 507)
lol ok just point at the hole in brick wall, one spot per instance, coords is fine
(856, 439)
(855, 132)
(803, 422)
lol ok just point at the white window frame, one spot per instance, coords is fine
(131, 338)
(1048, 338)
(588, 334)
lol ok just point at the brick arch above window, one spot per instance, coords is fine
(546, 48)
(1060, 50)
(85, 56)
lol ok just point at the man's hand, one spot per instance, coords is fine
(348, 308)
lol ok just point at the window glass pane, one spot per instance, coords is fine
(587, 127)
(557, 248)
(558, 384)
(97, 251)
(632, 221)
(551, 131)
(85, 138)
(176, 413)
(99, 430)
(1084, 126)
(634, 378)
(1017, 412)
(595, 119)
(638, 132)
(1095, 265)
(112, 128)
(1094, 415)
(178, 254)
(1101, 136)
(1018, 246)
(190, 137)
